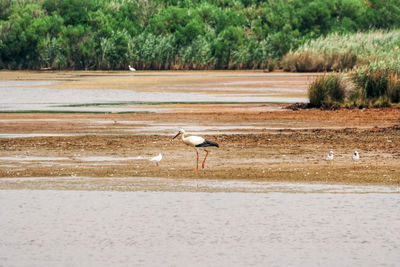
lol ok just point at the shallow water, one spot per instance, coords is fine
(87, 228)
(66, 161)
(132, 127)
(34, 95)
(184, 185)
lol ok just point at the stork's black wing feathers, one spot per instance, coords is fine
(207, 143)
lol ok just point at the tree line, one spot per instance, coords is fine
(175, 34)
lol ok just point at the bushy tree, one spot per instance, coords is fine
(173, 34)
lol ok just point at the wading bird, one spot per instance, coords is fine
(330, 156)
(356, 156)
(131, 68)
(156, 159)
(196, 142)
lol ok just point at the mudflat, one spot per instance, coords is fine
(261, 142)
(72, 148)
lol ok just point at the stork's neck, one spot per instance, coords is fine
(183, 136)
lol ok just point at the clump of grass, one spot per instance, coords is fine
(272, 64)
(377, 83)
(327, 91)
(393, 88)
(315, 61)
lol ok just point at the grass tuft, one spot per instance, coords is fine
(339, 52)
(327, 91)
(377, 83)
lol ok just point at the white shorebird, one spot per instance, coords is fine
(355, 156)
(156, 159)
(330, 156)
(196, 142)
(131, 68)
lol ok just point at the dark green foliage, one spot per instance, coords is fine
(22, 35)
(382, 14)
(175, 34)
(5, 10)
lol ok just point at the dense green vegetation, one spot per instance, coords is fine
(371, 60)
(175, 34)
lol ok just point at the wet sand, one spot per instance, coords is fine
(258, 142)
(277, 154)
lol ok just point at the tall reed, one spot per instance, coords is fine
(377, 83)
(337, 52)
(327, 90)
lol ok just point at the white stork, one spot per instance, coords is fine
(196, 142)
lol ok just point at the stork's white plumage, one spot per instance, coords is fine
(131, 68)
(196, 142)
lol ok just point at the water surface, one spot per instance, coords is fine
(89, 228)
(37, 96)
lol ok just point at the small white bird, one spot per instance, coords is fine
(131, 68)
(330, 156)
(356, 156)
(156, 159)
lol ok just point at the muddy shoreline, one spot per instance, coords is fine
(272, 155)
(258, 142)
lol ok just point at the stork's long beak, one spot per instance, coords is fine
(176, 135)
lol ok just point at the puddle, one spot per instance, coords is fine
(81, 162)
(42, 99)
(24, 135)
(108, 158)
(32, 158)
(102, 158)
(111, 127)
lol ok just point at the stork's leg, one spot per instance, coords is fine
(204, 161)
(197, 164)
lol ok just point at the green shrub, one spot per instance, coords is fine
(327, 91)
(377, 82)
